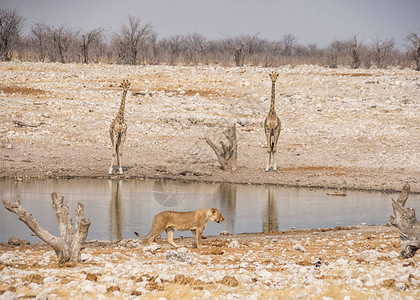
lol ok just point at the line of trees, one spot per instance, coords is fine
(136, 43)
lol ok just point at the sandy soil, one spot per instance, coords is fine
(342, 128)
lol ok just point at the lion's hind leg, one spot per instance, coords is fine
(155, 233)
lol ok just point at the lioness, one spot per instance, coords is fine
(195, 221)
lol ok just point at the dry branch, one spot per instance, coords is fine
(68, 245)
(23, 124)
(405, 220)
(227, 154)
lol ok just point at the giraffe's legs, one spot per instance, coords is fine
(119, 159)
(114, 153)
(274, 161)
(120, 152)
(267, 168)
(268, 136)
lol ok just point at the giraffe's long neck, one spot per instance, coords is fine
(273, 95)
(120, 114)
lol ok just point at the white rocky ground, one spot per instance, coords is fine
(342, 128)
(357, 263)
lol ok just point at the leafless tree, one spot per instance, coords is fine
(288, 41)
(11, 24)
(174, 46)
(87, 40)
(154, 48)
(67, 246)
(239, 57)
(405, 220)
(382, 51)
(414, 48)
(39, 31)
(62, 37)
(196, 46)
(255, 49)
(131, 38)
(355, 52)
(334, 50)
(136, 43)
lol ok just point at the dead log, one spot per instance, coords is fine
(405, 220)
(227, 154)
(23, 124)
(68, 245)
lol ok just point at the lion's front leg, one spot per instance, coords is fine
(198, 235)
(170, 234)
(194, 235)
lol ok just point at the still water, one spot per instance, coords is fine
(117, 208)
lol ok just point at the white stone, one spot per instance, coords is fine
(264, 274)
(9, 258)
(152, 248)
(393, 254)
(179, 256)
(50, 280)
(233, 244)
(299, 247)
(8, 295)
(86, 257)
(87, 286)
(369, 255)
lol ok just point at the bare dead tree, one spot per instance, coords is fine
(414, 48)
(130, 39)
(62, 37)
(86, 41)
(196, 46)
(40, 33)
(355, 53)
(405, 220)
(68, 245)
(227, 154)
(174, 45)
(11, 24)
(382, 51)
(288, 41)
(255, 49)
(334, 51)
(239, 55)
(154, 48)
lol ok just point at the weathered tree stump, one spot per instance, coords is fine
(405, 220)
(68, 245)
(227, 155)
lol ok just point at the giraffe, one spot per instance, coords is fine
(272, 126)
(118, 130)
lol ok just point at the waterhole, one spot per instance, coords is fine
(117, 208)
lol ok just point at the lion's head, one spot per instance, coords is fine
(217, 216)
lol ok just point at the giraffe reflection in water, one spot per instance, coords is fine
(116, 210)
(227, 194)
(270, 215)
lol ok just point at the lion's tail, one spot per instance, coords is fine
(143, 236)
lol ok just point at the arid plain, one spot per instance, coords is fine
(341, 129)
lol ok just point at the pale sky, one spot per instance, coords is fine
(311, 21)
